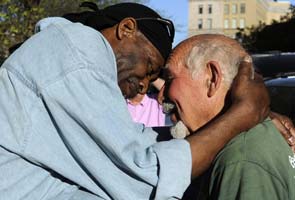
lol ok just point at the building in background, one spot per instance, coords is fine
(226, 16)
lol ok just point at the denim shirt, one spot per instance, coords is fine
(65, 129)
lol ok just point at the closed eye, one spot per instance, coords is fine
(167, 75)
(150, 70)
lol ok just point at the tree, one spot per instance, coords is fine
(279, 35)
(17, 20)
(18, 17)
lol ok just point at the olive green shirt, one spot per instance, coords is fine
(257, 164)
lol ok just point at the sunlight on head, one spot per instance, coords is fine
(215, 49)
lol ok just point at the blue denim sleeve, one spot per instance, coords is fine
(63, 112)
(91, 116)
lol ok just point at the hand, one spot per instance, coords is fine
(249, 95)
(250, 105)
(158, 83)
(161, 95)
(285, 127)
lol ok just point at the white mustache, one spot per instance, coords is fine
(168, 107)
(179, 130)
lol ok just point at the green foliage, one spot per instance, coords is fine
(16, 22)
(18, 17)
(279, 35)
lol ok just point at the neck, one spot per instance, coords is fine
(137, 99)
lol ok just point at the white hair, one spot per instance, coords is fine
(216, 50)
(179, 130)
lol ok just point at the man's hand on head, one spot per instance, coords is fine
(249, 96)
(285, 127)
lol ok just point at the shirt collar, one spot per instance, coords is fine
(143, 102)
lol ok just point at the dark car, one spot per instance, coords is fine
(278, 70)
(282, 94)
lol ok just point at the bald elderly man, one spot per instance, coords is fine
(258, 163)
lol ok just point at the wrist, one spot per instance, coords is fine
(245, 115)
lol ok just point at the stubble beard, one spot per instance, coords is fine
(179, 130)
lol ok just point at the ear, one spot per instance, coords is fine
(143, 86)
(214, 77)
(126, 28)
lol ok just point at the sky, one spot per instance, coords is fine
(177, 11)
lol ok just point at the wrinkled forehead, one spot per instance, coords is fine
(172, 66)
(174, 69)
(176, 61)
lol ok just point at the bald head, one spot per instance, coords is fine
(202, 69)
(199, 50)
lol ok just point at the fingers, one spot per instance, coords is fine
(291, 131)
(161, 95)
(285, 126)
(246, 68)
(283, 130)
(291, 141)
(287, 123)
(258, 77)
(290, 126)
(248, 93)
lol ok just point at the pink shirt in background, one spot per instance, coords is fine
(148, 112)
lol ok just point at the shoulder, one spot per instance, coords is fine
(260, 144)
(83, 41)
(62, 48)
(256, 158)
(86, 41)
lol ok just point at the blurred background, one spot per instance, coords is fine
(266, 28)
(260, 25)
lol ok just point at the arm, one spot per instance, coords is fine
(98, 131)
(244, 181)
(158, 83)
(249, 106)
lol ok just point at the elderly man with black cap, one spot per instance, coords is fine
(65, 129)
